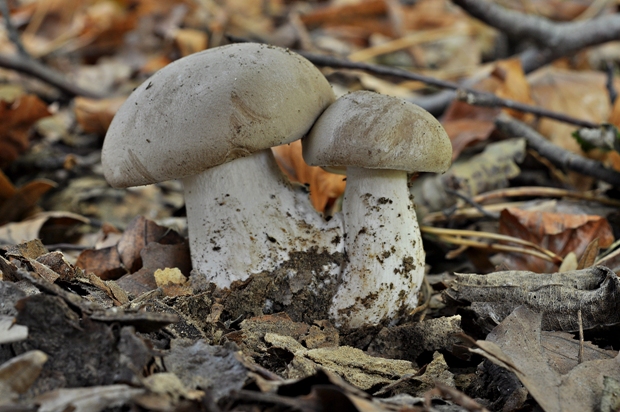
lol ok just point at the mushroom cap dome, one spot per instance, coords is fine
(371, 130)
(212, 107)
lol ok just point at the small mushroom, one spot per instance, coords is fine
(379, 139)
(210, 119)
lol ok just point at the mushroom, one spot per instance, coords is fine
(210, 119)
(379, 139)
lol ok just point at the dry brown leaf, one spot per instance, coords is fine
(105, 263)
(16, 119)
(190, 41)
(518, 338)
(95, 115)
(324, 186)
(467, 124)
(23, 200)
(514, 86)
(19, 373)
(139, 233)
(589, 255)
(558, 232)
(582, 95)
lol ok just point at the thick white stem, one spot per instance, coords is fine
(384, 248)
(244, 217)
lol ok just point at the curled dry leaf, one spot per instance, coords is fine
(518, 338)
(557, 296)
(560, 233)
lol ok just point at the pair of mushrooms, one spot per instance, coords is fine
(211, 118)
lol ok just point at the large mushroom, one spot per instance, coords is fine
(210, 119)
(379, 140)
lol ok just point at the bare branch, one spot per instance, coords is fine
(24, 64)
(469, 96)
(556, 155)
(544, 32)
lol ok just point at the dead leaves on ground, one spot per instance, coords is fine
(560, 233)
(519, 345)
(17, 115)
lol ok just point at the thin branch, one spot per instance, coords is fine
(556, 155)
(468, 95)
(493, 246)
(537, 191)
(10, 28)
(495, 236)
(545, 33)
(491, 100)
(492, 215)
(553, 39)
(34, 68)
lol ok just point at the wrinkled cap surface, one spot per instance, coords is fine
(371, 130)
(210, 108)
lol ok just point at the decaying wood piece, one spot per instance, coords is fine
(557, 296)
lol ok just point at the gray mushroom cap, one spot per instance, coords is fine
(371, 130)
(212, 107)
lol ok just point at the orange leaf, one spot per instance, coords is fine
(324, 186)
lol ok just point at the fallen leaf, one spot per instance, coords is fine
(22, 201)
(518, 338)
(324, 187)
(95, 115)
(589, 255)
(19, 373)
(49, 226)
(16, 119)
(513, 86)
(557, 296)
(105, 263)
(560, 233)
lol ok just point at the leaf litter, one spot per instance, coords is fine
(104, 310)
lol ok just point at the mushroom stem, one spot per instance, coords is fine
(384, 248)
(245, 217)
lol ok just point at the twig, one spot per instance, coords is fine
(580, 322)
(490, 100)
(493, 246)
(36, 69)
(536, 191)
(469, 96)
(534, 57)
(496, 236)
(468, 212)
(547, 34)
(611, 88)
(10, 28)
(492, 215)
(556, 155)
